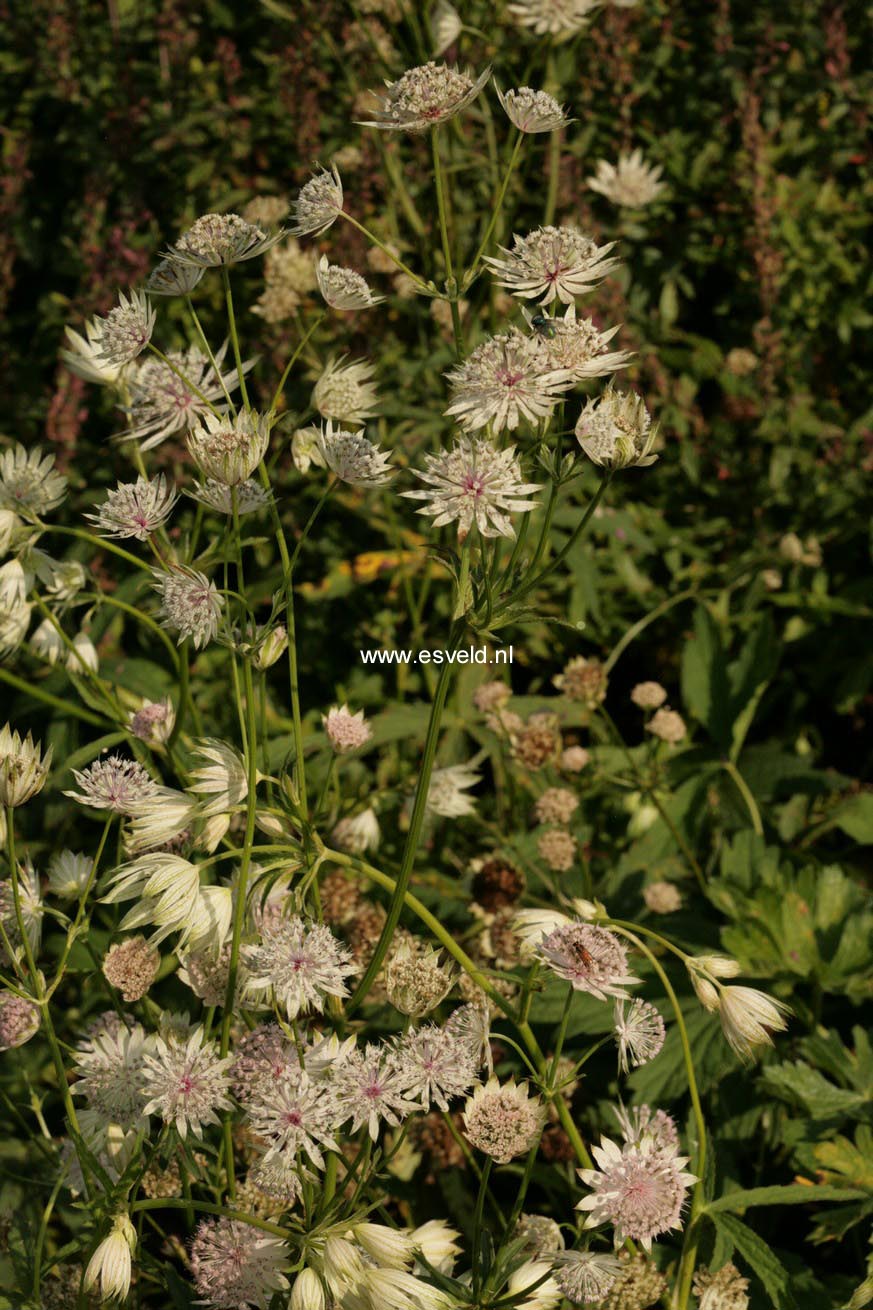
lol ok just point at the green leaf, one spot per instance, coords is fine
(760, 1258)
(855, 818)
(705, 687)
(789, 1194)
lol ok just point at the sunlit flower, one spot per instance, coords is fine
(749, 1019)
(585, 1277)
(343, 288)
(552, 263)
(160, 818)
(353, 458)
(114, 784)
(639, 1033)
(425, 97)
(370, 1089)
(319, 203)
(532, 111)
(445, 25)
(190, 604)
(505, 380)
(474, 483)
(166, 401)
(592, 959)
(85, 356)
(110, 1075)
(344, 392)
(502, 1120)
(170, 278)
(416, 978)
(68, 874)
(187, 1083)
(575, 344)
(165, 889)
(435, 1064)
(29, 482)
(219, 240)
(229, 450)
(218, 776)
(631, 182)
(23, 767)
(250, 496)
(135, 509)
(110, 1265)
(235, 1265)
(299, 964)
(557, 18)
(346, 731)
(640, 1190)
(445, 795)
(295, 1116)
(616, 430)
(126, 330)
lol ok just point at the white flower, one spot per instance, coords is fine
(438, 1243)
(83, 657)
(585, 1277)
(154, 721)
(436, 1065)
(29, 484)
(187, 1083)
(319, 203)
(229, 450)
(219, 240)
(391, 1248)
(532, 111)
(546, 1294)
(166, 890)
(220, 774)
(474, 483)
(552, 263)
(14, 622)
(506, 379)
(576, 345)
(110, 1265)
(444, 23)
(30, 900)
(357, 833)
(114, 784)
(346, 731)
(85, 359)
(502, 1120)
(110, 1076)
(126, 330)
(190, 604)
(353, 458)
(170, 278)
(640, 1190)
(168, 400)
(344, 392)
(558, 18)
(308, 1292)
(68, 874)
(370, 1088)
(135, 509)
(591, 959)
(160, 818)
(639, 1033)
(426, 96)
(250, 496)
(531, 926)
(298, 963)
(631, 182)
(445, 795)
(47, 643)
(616, 430)
(343, 288)
(749, 1018)
(23, 767)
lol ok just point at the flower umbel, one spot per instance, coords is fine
(507, 379)
(616, 430)
(474, 483)
(425, 97)
(23, 767)
(532, 111)
(552, 263)
(319, 203)
(190, 604)
(592, 959)
(135, 509)
(631, 182)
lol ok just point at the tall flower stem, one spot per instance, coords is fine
(532, 583)
(206, 346)
(743, 788)
(277, 394)
(234, 339)
(498, 207)
(386, 250)
(184, 378)
(451, 282)
(477, 1228)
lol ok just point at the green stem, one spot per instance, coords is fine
(371, 236)
(80, 911)
(562, 554)
(201, 395)
(206, 346)
(477, 1228)
(277, 394)
(231, 321)
(495, 213)
(33, 689)
(743, 788)
(208, 1207)
(451, 283)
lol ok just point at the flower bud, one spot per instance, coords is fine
(308, 1292)
(110, 1265)
(270, 647)
(23, 770)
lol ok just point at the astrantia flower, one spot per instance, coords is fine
(357, 833)
(14, 622)
(29, 483)
(114, 784)
(585, 1277)
(725, 1290)
(250, 496)
(154, 721)
(343, 288)
(592, 959)
(19, 1021)
(417, 978)
(445, 25)
(556, 805)
(532, 111)
(616, 430)
(639, 1033)
(235, 1265)
(23, 767)
(749, 1019)
(126, 330)
(230, 449)
(640, 1190)
(631, 182)
(135, 509)
(319, 203)
(353, 458)
(438, 1243)
(558, 18)
(295, 1116)
(369, 1087)
(474, 483)
(445, 794)
(426, 96)
(644, 1124)
(506, 379)
(187, 1083)
(84, 358)
(668, 726)
(576, 345)
(346, 731)
(171, 278)
(219, 240)
(503, 1121)
(110, 1265)
(30, 901)
(163, 403)
(344, 392)
(161, 818)
(299, 964)
(110, 1073)
(648, 695)
(218, 776)
(68, 874)
(435, 1065)
(165, 889)
(532, 1280)
(131, 966)
(552, 263)
(190, 604)
(662, 897)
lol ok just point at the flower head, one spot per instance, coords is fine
(585, 1277)
(132, 967)
(662, 897)
(436, 1065)
(353, 458)
(577, 345)
(344, 392)
(19, 1020)
(426, 96)
(186, 1083)
(631, 182)
(235, 1265)
(616, 430)
(135, 509)
(114, 784)
(29, 483)
(556, 805)
(502, 1120)
(417, 979)
(592, 959)
(445, 26)
(557, 18)
(126, 330)
(250, 496)
(110, 1075)
(346, 731)
(298, 963)
(343, 288)
(170, 278)
(474, 483)
(639, 1033)
(229, 450)
(30, 900)
(294, 1115)
(552, 263)
(84, 358)
(68, 874)
(190, 604)
(667, 725)
(725, 1290)
(23, 767)
(370, 1089)
(218, 777)
(357, 833)
(648, 695)
(110, 1265)
(219, 240)
(154, 721)
(319, 203)
(642, 1124)
(557, 848)
(165, 400)
(445, 794)
(504, 381)
(749, 1018)
(166, 891)
(532, 111)
(640, 1190)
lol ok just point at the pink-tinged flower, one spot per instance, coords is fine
(135, 509)
(299, 964)
(370, 1089)
(502, 1120)
(114, 784)
(19, 1020)
(585, 1277)
(187, 1083)
(506, 380)
(436, 1064)
(640, 1190)
(643, 1123)
(235, 1265)
(552, 263)
(346, 731)
(639, 1033)
(592, 959)
(474, 483)
(426, 96)
(295, 1116)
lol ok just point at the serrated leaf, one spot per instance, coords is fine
(787, 1194)
(705, 687)
(760, 1258)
